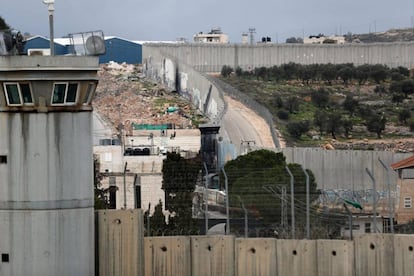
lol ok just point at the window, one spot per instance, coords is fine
(3, 159)
(367, 227)
(89, 93)
(408, 202)
(64, 93)
(4, 258)
(18, 93)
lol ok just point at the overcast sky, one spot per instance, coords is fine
(172, 19)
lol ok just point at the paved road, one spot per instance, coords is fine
(244, 128)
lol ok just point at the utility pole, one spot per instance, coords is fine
(51, 9)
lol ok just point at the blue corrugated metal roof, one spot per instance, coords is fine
(121, 50)
(40, 42)
(117, 49)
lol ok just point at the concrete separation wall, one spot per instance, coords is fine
(120, 240)
(255, 257)
(345, 169)
(122, 250)
(374, 247)
(211, 58)
(168, 256)
(191, 84)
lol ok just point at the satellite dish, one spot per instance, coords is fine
(95, 45)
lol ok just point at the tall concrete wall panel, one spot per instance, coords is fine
(120, 242)
(212, 255)
(403, 255)
(44, 148)
(168, 256)
(335, 257)
(296, 257)
(46, 193)
(374, 255)
(346, 169)
(256, 257)
(55, 242)
(211, 58)
(160, 62)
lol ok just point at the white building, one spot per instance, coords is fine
(363, 224)
(214, 36)
(135, 181)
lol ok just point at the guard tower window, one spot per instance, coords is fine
(64, 93)
(3, 159)
(18, 93)
(89, 93)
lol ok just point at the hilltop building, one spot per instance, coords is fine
(214, 36)
(321, 39)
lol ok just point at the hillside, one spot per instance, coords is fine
(393, 35)
(125, 96)
(335, 106)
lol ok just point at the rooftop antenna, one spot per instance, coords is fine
(252, 31)
(51, 9)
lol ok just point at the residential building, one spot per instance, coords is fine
(132, 170)
(405, 211)
(214, 36)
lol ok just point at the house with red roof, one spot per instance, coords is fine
(404, 206)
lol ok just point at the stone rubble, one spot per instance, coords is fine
(124, 96)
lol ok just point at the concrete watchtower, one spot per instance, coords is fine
(46, 167)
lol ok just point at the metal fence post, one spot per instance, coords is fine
(292, 201)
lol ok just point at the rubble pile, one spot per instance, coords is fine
(124, 96)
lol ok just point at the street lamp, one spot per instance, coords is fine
(51, 9)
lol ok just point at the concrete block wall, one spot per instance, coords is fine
(211, 58)
(403, 255)
(373, 255)
(335, 257)
(168, 256)
(345, 169)
(122, 250)
(255, 257)
(212, 255)
(296, 257)
(119, 245)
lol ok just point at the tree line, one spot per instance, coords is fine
(327, 73)
(329, 116)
